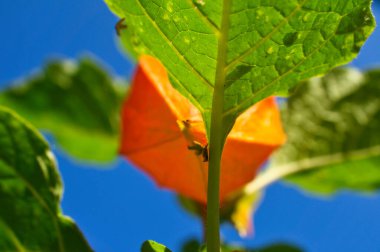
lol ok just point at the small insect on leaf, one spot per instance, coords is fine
(120, 25)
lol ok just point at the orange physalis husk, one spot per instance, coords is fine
(163, 135)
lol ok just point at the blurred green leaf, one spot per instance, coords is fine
(281, 247)
(77, 102)
(333, 126)
(193, 245)
(191, 206)
(152, 246)
(254, 48)
(30, 193)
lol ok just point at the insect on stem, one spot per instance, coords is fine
(199, 150)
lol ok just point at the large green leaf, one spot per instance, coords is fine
(77, 103)
(30, 193)
(333, 126)
(253, 48)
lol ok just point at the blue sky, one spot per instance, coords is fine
(116, 206)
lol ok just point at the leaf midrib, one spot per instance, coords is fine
(334, 158)
(275, 173)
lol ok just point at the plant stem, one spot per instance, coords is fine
(217, 137)
(212, 230)
(203, 212)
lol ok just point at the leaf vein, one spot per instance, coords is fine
(291, 70)
(205, 17)
(266, 38)
(12, 236)
(175, 49)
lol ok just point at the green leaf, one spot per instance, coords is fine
(333, 126)
(271, 248)
(226, 55)
(281, 247)
(152, 246)
(193, 245)
(253, 48)
(77, 103)
(30, 193)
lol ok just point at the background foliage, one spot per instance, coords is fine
(339, 114)
(79, 103)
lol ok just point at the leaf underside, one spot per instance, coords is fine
(77, 103)
(333, 126)
(30, 193)
(271, 45)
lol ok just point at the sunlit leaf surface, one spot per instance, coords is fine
(264, 47)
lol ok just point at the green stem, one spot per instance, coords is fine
(203, 213)
(212, 231)
(217, 137)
